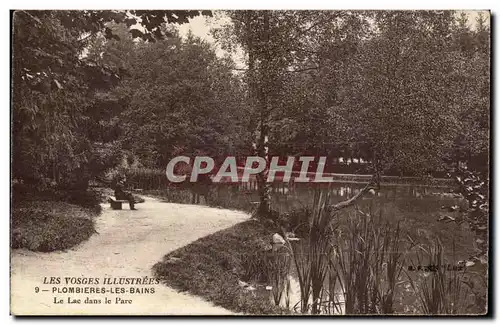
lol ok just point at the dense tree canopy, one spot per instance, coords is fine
(59, 134)
(408, 91)
(181, 99)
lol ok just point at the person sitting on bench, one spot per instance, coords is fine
(120, 194)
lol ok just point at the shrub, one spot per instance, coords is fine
(87, 199)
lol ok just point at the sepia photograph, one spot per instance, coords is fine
(250, 162)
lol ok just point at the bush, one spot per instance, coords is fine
(87, 199)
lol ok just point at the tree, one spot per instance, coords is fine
(395, 97)
(55, 83)
(271, 40)
(385, 83)
(178, 98)
(469, 155)
(471, 81)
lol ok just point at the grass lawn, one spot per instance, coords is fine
(211, 267)
(50, 225)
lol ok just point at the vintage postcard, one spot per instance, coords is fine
(250, 162)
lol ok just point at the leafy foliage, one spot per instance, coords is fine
(404, 89)
(61, 129)
(473, 187)
(183, 100)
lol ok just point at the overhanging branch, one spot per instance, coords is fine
(303, 70)
(373, 185)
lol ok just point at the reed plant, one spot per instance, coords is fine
(368, 262)
(311, 259)
(440, 284)
(277, 264)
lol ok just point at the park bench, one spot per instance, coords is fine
(116, 204)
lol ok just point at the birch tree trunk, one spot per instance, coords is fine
(264, 86)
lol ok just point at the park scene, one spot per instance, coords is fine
(251, 162)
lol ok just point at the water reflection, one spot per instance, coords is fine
(344, 190)
(288, 196)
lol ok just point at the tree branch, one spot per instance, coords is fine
(321, 21)
(38, 21)
(302, 70)
(373, 185)
(83, 39)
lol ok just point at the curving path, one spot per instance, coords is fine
(128, 244)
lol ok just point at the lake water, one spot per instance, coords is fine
(285, 198)
(415, 197)
(418, 205)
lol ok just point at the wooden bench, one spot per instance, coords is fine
(116, 204)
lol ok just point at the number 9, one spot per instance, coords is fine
(37, 289)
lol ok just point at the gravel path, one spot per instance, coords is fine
(128, 244)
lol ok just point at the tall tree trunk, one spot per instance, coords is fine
(263, 103)
(264, 186)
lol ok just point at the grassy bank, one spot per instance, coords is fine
(47, 222)
(212, 267)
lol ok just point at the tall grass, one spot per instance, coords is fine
(312, 260)
(442, 288)
(302, 265)
(322, 229)
(368, 262)
(278, 263)
(394, 260)
(362, 260)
